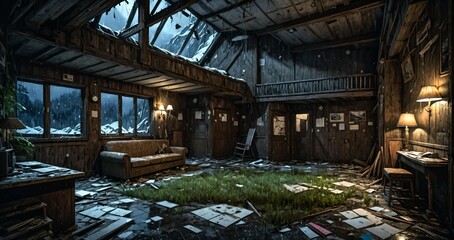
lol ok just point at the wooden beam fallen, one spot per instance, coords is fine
(316, 18)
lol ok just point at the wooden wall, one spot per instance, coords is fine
(434, 131)
(83, 152)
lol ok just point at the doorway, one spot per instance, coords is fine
(221, 134)
(302, 137)
(279, 136)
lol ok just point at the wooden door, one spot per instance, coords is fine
(221, 134)
(279, 136)
(302, 143)
(197, 132)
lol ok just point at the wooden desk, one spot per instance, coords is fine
(55, 188)
(427, 166)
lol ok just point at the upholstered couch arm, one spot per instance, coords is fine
(115, 156)
(181, 150)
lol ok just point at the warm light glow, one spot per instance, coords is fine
(407, 120)
(169, 107)
(161, 108)
(428, 94)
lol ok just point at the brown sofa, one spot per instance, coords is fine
(132, 158)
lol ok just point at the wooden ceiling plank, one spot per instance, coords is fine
(157, 17)
(319, 6)
(132, 74)
(227, 9)
(85, 11)
(164, 83)
(142, 77)
(329, 14)
(337, 43)
(179, 86)
(23, 10)
(152, 80)
(44, 53)
(190, 88)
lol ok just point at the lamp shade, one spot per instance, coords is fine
(161, 108)
(169, 107)
(11, 123)
(428, 94)
(407, 120)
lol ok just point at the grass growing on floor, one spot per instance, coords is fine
(264, 190)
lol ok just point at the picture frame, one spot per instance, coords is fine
(336, 117)
(444, 51)
(279, 125)
(357, 116)
(407, 69)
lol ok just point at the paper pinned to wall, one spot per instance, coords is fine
(320, 122)
(180, 116)
(341, 126)
(354, 127)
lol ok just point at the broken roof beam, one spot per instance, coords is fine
(337, 43)
(410, 15)
(85, 10)
(159, 16)
(315, 18)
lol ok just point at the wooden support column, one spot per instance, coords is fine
(391, 97)
(144, 9)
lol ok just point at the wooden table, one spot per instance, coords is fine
(428, 166)
(50, 184)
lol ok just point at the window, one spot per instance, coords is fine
(31, 96)
(65, 105)
(65, 110)
(134, 112)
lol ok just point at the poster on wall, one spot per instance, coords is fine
(336, 117)
(357, 116)
(407, 69)
(198, 115)
(320, 122)
(279, 125)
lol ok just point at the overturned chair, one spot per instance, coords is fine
(241, 148)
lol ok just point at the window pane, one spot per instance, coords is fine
(175, 31)
(65, 110)
(127, 113)
(200, 41)
(116, 17)
(31, 96)
(109, 113)
(143, 115)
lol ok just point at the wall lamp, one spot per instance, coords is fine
(164, 110)
(428, 94)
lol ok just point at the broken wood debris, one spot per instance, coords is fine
(107, 231)
(253, 209)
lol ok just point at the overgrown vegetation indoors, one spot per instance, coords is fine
(264, 190)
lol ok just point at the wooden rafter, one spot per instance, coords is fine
(211, 49)
(159, 16)
(50, 10)
(132, 13)
(85, 10)
(337, 43)
(329, 14)
(226, 9)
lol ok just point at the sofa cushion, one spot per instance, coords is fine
(154, 159)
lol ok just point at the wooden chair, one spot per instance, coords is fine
(241, 148)
(394, 175)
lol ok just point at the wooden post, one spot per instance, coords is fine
(144, 9)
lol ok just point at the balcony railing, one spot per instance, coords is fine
(359, 82)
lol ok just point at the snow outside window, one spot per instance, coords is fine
(199, 42)
(31, 96)
(134, 112)
(65, 110)
(143, 116)
(175, 31)
(116, 17)
(127, 115)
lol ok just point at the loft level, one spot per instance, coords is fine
(352, 86)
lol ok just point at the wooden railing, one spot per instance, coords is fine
(359, 82)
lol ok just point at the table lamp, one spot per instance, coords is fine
(407, 120)
(10, 123)
(7, 158)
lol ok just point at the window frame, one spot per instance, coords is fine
(120, 133)
(47, 110)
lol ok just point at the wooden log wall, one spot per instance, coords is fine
(423, 49)
(83, 152)
(333, 142)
